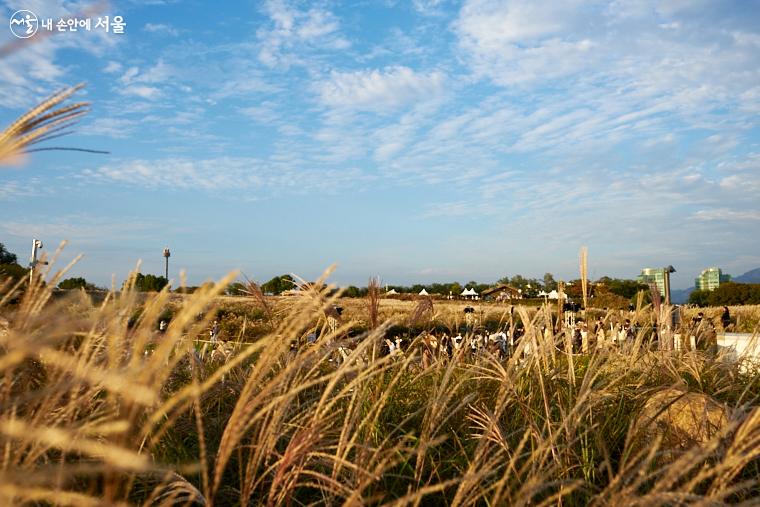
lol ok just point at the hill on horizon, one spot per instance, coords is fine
(752, 276)
(681, 296)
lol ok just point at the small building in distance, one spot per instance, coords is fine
(710, 279)
(501, 292)
(551, 295)
(655, 276)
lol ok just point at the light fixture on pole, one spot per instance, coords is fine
(167, 254)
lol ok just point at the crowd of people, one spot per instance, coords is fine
(575, 334)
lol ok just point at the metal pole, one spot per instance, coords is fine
(668, 270)
(167, 254)
(36, 244)
(667, 287)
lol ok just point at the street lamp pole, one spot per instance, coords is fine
(666, 279)
(167, 254)
(36, 245)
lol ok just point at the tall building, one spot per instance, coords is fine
(710, 279)
(653, 275)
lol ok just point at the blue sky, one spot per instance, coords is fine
(419, 141)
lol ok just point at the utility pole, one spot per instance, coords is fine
(36, 245)
(167, 254)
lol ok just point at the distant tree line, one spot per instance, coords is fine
(9, 266)
(727, 294)
(529, 287)
(614, 290)
(76, 283)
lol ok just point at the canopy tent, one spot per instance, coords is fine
(423, 292)
(391, 292)
(469, 293)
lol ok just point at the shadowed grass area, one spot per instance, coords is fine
(99, 407)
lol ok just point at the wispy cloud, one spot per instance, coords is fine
(161, 28)
(232, 175)
(81, 228)
(726, 215)
(379, 90)
(117, 128)
(294, 30)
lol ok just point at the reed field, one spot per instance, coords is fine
(99, 408)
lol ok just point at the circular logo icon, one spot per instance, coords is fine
(24, 24)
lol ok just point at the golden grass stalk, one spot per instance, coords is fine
(373, 302)
(47, 120)
(584, 277)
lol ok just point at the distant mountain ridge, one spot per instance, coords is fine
(752, 276)
(681, 296)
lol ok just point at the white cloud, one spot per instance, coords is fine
(144, 92)
(379, 90)
(146, 84)
(295, 31)
(113, 68)
(79, 228)
(490, 24)
(726, 214)
(32, 71)
(116, 128)
(233, 175)
(621, 45)
(159, 73)
(13, 190)
(161, 28)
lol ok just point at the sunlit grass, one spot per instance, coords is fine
(98, 407)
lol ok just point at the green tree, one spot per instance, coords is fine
(550, 283)
(455, 289)
(74, 283)
(734, 294)
(236, 289)
(625, 288)
(354, 292)
(699, 297)
(150, 283)
(6, 257)
(278, 285)
(13, 271)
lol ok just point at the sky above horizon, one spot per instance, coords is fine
(418, 141)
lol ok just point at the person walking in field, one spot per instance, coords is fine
(214, 333)
(630, 336)
(725, 318)
(585, 342)
(600, 336)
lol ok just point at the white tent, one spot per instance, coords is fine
(555, 295)
(423, 292)
(469, 293)
(391, 292)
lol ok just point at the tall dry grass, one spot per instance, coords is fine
(50, 119)
(100, 408)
